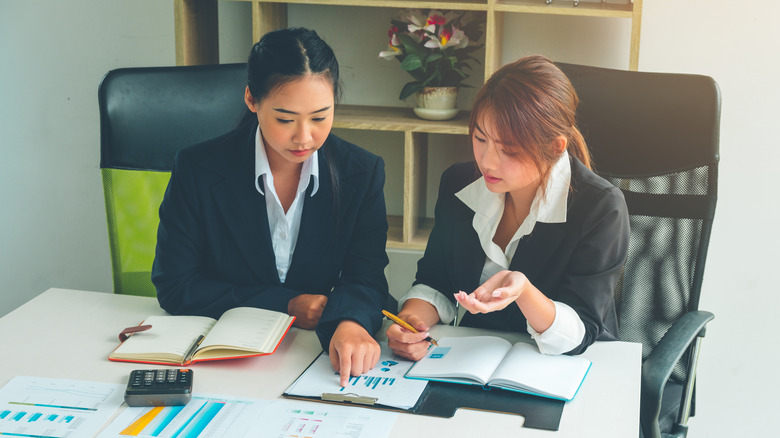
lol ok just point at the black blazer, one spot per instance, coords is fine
(577, 262)
(214, 248)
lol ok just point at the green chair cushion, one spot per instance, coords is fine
(133, 199)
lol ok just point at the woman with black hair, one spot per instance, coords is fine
(279, 213)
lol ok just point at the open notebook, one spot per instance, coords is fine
(182, 340)
(494, 362)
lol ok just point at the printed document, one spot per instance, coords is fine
(385, 382)
(56, 408)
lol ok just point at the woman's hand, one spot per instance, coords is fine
(307, 309)
(406, 343)
(499, 291)
(419, 314)
(352, 350)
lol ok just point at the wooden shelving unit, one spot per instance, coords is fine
(197, 43)
(411, 230)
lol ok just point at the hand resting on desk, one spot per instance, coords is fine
(307, 309)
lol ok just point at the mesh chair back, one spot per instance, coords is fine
(655, 136)
(146, 115)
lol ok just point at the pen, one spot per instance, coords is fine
(406, 325)
(188, 357)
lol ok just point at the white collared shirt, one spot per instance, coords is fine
(567, 329)
(284, 227)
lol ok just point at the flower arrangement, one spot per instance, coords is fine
(433, 47)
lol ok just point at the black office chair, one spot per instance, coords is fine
(146, 115)
(656, 136)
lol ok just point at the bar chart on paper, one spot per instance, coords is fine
(56, 408)
(371, 382)
(385, 381)
(203, 416)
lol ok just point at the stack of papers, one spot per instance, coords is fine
(60, 408)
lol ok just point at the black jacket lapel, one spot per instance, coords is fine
(242, 207)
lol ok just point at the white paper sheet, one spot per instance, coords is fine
(293, 418)
(217, 416)
(206, 415)
(56, 408)
(385, 382)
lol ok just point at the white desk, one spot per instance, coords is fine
(69, 334)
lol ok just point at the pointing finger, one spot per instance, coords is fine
(345, 367)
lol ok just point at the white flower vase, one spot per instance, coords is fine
(436, 103)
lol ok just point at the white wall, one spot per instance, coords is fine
(52, 223)
(52, 219)
(737, 44)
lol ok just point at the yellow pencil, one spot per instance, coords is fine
(407, 326)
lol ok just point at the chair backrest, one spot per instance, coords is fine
(146, 115)
(655, 136)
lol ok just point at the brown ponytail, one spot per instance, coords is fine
(577, 147)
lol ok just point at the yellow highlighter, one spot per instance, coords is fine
(407, 326)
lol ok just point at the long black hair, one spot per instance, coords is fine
(285, 55)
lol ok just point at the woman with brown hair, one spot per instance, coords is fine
(526, 237)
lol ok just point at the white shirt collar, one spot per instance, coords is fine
(310, 168)
(488, 208)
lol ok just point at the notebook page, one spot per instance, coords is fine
(169, 334)
(474, 357)
(555, 375)
(247, 328)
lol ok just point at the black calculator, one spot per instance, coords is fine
(163, 387)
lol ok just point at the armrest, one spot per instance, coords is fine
(659, 365)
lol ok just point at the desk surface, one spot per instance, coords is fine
(69, 334)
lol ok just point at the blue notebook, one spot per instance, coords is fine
(493, 362)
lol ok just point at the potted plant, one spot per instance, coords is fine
(435, 48)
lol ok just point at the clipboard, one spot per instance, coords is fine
(442, 399)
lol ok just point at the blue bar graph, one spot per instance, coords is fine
(204, 420)
(33, 417)
(53, 408)
(370, 382)
(172, 413)
(189, 421)
(201, 417)
(195, 425)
